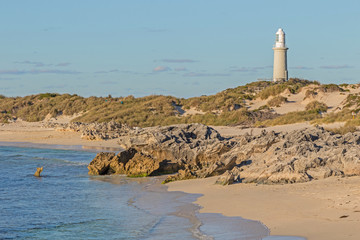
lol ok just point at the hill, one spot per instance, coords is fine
(258, 103)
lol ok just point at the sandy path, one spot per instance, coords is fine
(322, 210)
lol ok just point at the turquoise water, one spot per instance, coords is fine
(66, 203)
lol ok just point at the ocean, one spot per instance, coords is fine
(67, 203)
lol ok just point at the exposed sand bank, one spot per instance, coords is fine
(323, 209)
(34, 133)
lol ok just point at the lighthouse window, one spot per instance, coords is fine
(277, 37)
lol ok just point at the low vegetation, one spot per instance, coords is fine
(316, 106)
(343, 130)
(294, 85)
(330, 88)
(291, 117)
(277, 101)
(229, 107)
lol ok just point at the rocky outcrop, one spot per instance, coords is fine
(198, 151)
(95, 131)
(159, 150)
(298, 156)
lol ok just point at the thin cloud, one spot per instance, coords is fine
(247, 69)
(5, 79)
(180, 69)
(41, 64)
(35, 64)
(64, 64)
(117, 71)
(161, 69)
(178, 60)
(302, 68)
(37, 71)
(194, 74)
(336, 66)
(109, 71)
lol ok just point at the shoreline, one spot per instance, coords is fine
(84, 148)
(33, 133)
(322, 209)
(158, 200)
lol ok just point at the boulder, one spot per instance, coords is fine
(226, 178)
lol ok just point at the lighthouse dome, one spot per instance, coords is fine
(280, 38)
(279, 31)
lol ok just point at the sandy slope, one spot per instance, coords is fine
(324, 209)
(297, 102)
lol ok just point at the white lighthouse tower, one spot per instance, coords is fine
(280, 58)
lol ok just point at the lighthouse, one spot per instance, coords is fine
(280, 59)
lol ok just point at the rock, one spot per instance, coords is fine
(101, 163)
(234, 107)
(38, 171)
(226, 178)
(198, 151)
(169, 149)
(94, 131)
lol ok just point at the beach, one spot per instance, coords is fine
(320, 209)
(35, 132)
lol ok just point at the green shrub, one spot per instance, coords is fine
(310, 93)
(316, 106)
(330, 88)
(342, 130)
(289, 118)
(47, 95)
(277, 101)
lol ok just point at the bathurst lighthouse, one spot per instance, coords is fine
(280, 58)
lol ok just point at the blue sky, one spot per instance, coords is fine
(182, 48)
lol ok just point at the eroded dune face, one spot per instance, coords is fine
(198, 151)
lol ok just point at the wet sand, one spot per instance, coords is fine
(155, 199)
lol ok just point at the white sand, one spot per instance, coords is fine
(33, 132)
(319, 210)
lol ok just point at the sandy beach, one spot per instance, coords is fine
(34, 132)
(323, 209)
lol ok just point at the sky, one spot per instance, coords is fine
(182, 48)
